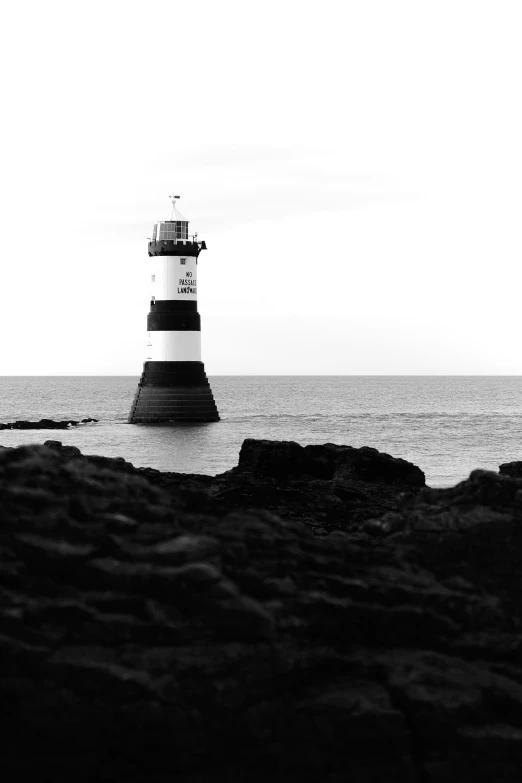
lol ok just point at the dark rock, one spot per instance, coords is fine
(65, 451)
(471, 531)
(286, 459)
(44, 424)
(328, 487)
(148, 633)
(513, 469)
(325, 487)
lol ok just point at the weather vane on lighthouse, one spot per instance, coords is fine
(174, 199)
(173, 385)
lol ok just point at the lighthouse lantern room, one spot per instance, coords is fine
(173, 386)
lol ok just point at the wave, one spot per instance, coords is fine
(375, 416)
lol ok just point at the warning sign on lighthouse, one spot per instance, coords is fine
(174, 278)
(187, 285)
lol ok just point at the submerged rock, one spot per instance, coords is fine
(44, 424)
(148, 633)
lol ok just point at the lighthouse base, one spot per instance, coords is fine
(173, 392)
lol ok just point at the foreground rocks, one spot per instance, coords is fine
(149, 633)
(325, 487)
(44, 424)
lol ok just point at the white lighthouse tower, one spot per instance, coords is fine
(173, 385)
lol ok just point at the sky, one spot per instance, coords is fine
(354, 167)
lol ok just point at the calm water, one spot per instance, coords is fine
(446, 425)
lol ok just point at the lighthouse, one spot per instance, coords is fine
(173, 386)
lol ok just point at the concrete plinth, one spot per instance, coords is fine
(173, 392)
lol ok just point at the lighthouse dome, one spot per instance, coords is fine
(176, 215)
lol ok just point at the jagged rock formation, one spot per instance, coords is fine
(472, 531)
(149, 634)
(44, 424)
(326, 487)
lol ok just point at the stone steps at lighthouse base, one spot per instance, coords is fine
(165, 394)
(150, 406)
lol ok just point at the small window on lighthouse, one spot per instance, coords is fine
(182, 261)
(153, 278)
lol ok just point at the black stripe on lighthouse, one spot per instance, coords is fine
(173, 321)
(173, 306)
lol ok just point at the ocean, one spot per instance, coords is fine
(447, 425)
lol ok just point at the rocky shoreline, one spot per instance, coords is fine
(45, 424)
(316, 613)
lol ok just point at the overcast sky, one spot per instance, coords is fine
(355, 168)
